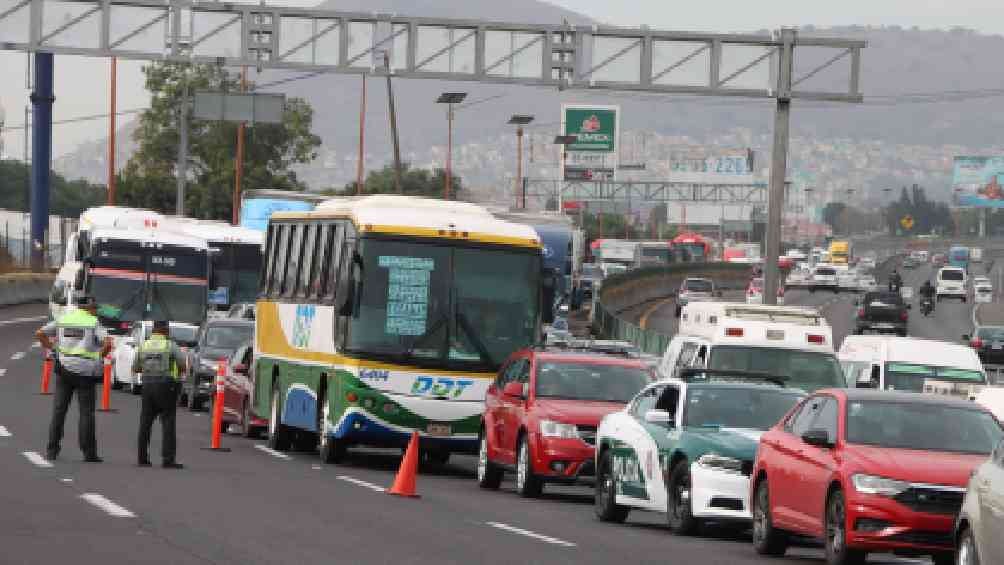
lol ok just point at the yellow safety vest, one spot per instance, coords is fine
(158, 344)
(82, 320)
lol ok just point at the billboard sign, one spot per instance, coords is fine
(979, 182)
(593, 156)
(717, 160)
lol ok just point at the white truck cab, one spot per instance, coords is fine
(911, 365)
(782, 341)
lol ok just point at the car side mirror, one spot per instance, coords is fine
(658, 417)
(818, 438)
(514, 390)
(909, 306)
(241, 369)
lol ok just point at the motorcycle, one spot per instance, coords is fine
(926, 305)
(895, 283)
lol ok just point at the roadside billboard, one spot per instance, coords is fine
(593, 156)
(979, 182)
(722, 161)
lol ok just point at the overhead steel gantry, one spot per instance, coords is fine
(550, 55)
(541, 190)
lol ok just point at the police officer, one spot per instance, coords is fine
(158, 359)
(81, 344)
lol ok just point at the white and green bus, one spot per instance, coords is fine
(382, 315)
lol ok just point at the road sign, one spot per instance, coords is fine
(906, 222)
(593, 156)
(240, 107)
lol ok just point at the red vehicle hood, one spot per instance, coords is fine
(579, 412)
(932, 467)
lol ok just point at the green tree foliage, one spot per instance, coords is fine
(270, 150)
(67, 198)
(414, 182)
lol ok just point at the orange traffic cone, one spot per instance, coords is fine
(404, 484)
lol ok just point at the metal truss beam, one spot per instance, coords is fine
(541, 190)
(559, 56)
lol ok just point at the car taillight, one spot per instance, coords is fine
(124, 325)
(976, 343)
(861, 312)
(815, 338)
(903, 315)
(734, 332)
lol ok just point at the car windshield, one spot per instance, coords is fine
(925, 426)
(737, 407)
(697, 285)
(826, 272)
(883, 299)
(184, 334)
(806, 370)
(227, 337)
(912, 377)
(590, 381)
(952, 275)
(987, 333)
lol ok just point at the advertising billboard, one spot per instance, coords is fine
(979, 182)
(593, 156)
(720, 161)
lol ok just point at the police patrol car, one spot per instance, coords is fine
(790, 342)
(685, 447)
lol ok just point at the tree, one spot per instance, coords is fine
(67, 198)
(270, 150)
(833, 216)
(414, 182)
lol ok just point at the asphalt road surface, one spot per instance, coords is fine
(253, 506)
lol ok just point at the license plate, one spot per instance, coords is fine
(438, 430)
(884, 326)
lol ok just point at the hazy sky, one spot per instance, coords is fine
(82, 85)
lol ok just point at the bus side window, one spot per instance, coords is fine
(333, 270)
(308, 254)
(280, 254)
(269, 264)
(322, 257)
(293, 262)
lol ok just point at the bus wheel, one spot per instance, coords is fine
(331, 449)
(279, 436)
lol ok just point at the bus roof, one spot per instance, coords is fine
(422, 217)
(283, 195)
(120, 217)
(149, 236)
(217, 232)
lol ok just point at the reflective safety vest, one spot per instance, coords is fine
(157, 358)
(76, 331)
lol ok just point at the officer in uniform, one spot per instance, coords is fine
(158, 359)
(81, 344)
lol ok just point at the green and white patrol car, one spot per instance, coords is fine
(685, 447)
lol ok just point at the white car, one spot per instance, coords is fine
(983, 290)
(867, 283)
(824, 277)
(951, 283)
(981, 519)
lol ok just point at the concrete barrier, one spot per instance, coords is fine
(24, 288)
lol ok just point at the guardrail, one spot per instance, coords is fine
(22, 288)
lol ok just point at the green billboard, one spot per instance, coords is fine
(594, 128)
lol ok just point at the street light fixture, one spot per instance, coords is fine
(450, 99)
(520, 120)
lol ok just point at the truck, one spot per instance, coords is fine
(652, 254)
(615, 255)
(840, 252)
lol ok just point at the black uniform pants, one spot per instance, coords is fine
(160, 398)
(66, 384)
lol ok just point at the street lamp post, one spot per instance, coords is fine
(450, 99)
(564, 141)
(808, 236)
(519, 121)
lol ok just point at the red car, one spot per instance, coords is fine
(237, 405)
(869, 471)
(542, 411)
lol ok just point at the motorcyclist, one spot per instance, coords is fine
(895, 281)
(927, 293)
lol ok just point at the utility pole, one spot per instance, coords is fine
(41, 161)
(182, 166)
(393, 127)
(778, 167)
(362, 139)
(449, 153)
(111, 137)
(239, 164)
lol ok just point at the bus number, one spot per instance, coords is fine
(161, 260)
(440, 387)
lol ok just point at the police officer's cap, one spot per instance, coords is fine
(161, 326)
(83, 300)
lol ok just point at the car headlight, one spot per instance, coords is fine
(870, 484)
(550, 428)
(717, 462)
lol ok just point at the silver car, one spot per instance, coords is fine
(980, 525)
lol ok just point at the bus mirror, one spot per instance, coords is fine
(78, 280)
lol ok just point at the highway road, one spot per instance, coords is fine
(250, 505)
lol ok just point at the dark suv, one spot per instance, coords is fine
(218, 339)
(883, 312)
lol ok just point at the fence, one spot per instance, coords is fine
(15, 240)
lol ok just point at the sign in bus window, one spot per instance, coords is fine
(407, 293)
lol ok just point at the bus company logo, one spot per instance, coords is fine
(374, 375)
(446, 388)
(547, 251)
(590, 124)
(302, 325)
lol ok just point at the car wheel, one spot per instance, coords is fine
(489, 475)
(528, 485)
(967, 554)
(247, 430)
(679, 513)
(605, 502)
(278, 435)
(767, 540)
(837, 552)
(331, 450)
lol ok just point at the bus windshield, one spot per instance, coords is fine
(691, 251)
(236, 267)
(912, 377)
(438, 305)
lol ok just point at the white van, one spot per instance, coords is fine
(912, 365)
(976, 254)
(951, 283)
(783, 341)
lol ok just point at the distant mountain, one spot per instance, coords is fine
(905, 141)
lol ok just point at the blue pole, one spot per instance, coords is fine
(41, 156)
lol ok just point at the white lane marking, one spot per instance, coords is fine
(315, 467)
(529, 534)
(66, 480)
(3, 372)
(17, 356)
(361, 483)
(272, 452)
(107, 506)
(36, 459)
(4, 432)
(23, 320)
